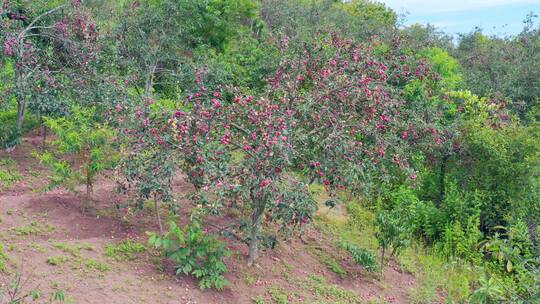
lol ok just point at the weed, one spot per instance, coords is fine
(249, 280)
(8, 172)
(259, 300)
(4, 259)
(194, 252)
(57, 260)
(74, 250)
(8, 178)
(36, 247)
(34, 228)
(279, 295)
(7, 162)
(91, 264)
(125, 250)
(437, 274)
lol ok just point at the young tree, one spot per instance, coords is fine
(47, 47)
(248, 160)
(338, 114)
(149, 164)
(79, 137)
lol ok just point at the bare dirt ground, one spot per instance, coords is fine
(60, 247)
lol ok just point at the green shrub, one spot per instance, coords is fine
(362, 257)
(194, 252)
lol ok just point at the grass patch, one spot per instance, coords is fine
(279, 295)
(436, 276)
(330, 262)
(4, 259)
(79, 262)
(74, 250)
(125, 250)
(8, 176)
(88, 265)
(34, 228)
(318, 290)
(258, 300)
(331, 292)
(57, 260)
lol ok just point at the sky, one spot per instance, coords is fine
(495, 17)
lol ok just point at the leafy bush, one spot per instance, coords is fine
(194, 252)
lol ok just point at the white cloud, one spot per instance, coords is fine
(429, 7)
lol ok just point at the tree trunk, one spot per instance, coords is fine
(256, 220)
(382, 259)
(254, 240)
(43, 137)
(149, 82)
(156, 209)
(21, 109)
(19, 85)
(89, 189)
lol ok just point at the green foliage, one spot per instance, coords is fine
(79, 137)
(194, 252)
(462, 242)
(246, 63)
(256, 102)
(511, 257)
(490, 291)
(362, 257)
(9, 134)
(392, 233)
(448, 67)
(507, 66)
